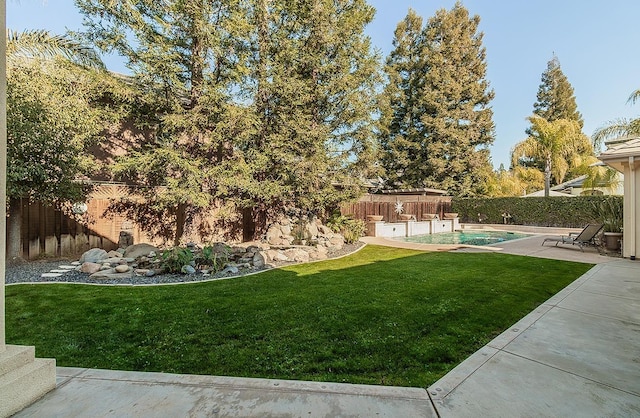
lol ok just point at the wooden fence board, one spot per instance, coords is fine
(386, 206)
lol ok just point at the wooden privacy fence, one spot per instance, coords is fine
(386, 206)
(47, 232)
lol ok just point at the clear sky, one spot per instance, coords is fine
(595, 40)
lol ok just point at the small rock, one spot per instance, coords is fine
(90, 268)
(150, 273)
(114, 254)
(259, 259)
(230, 270)
(105, 267)
(122, 268)
(141, 272)
(188, 269)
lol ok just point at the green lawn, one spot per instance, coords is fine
(381, 316)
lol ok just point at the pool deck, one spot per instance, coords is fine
(574, 355)
(529, 246)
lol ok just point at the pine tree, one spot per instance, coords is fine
(556, 99)
(264, 104)
(401, 134)
(311, 80)
(182, 55)
(446, 146)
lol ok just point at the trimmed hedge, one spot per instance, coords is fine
(567, 212)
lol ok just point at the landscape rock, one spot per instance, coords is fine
(122, 268)
(94, 255)
(110, 274)
(114, 254)
(259, 259)
(90, 268)
(188, 269)
(51, 275)
(297, 254)
(137, 250)
(231, 270)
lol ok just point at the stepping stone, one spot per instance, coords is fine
(76, 263)
(67, 267)
(50, 275)
(59, 271)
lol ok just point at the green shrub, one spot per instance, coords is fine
(213, 257)
(175, 258)
(351, 229)
(569, 212)
(609, 212)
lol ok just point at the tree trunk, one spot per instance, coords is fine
(14, 229)
(180, 221)
(547, 178)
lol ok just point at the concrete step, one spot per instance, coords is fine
(23, 385)
(14, 357)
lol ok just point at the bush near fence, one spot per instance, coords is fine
(567, 212)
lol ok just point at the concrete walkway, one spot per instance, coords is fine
(576, 355)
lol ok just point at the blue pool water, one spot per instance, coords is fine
(466, 237)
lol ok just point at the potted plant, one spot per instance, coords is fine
(609, 212)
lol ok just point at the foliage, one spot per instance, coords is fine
(175, 258)
(384, 316)
(610, 211)
(40, 45)
(556, 99)
(259, 104)
(351, 229)
(52, 119)
(619, 128)
(566, 212)
(516, 182)
(213, 257)
(436, 121)
(559, 144)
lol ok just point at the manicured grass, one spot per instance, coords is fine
(381, 316)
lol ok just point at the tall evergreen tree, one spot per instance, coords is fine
(401, 135)
(183, 57)
(446, 146)
(556, 99)
(265, 104)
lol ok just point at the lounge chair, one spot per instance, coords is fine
(586, 237)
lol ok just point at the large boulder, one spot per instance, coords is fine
(94, 255)
(138, 250)
(297, 254)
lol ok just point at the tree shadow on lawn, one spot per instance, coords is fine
(380, 316)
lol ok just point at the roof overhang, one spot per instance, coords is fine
(622, 154)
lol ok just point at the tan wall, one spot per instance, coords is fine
(631, 210)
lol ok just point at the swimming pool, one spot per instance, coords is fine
(466, 237)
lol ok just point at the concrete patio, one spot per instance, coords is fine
(578, 354)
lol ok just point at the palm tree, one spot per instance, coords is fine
(618, 128)
(559, 144)
(41, 44)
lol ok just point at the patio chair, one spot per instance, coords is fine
(585, 237)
